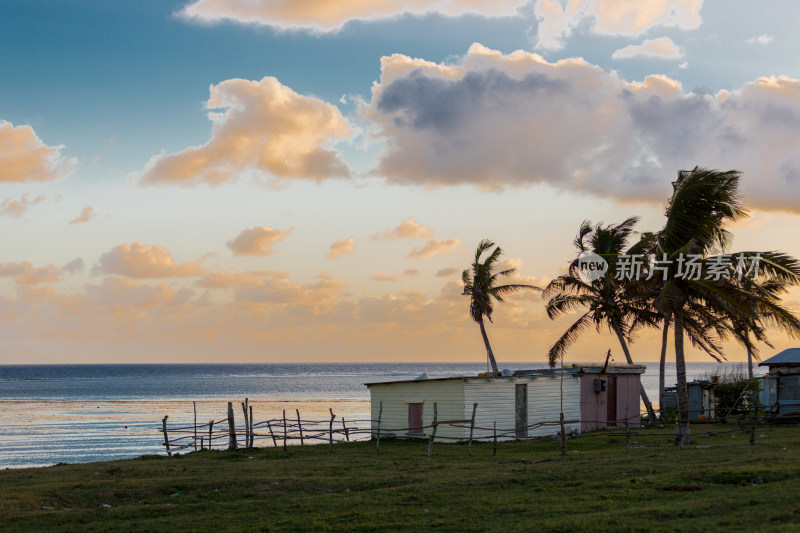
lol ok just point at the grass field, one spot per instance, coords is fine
(724, 485)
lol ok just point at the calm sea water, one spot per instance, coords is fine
(81, 413)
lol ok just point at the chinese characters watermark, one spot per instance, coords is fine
(636, 267)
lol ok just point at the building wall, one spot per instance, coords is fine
(788, 391)
(544, 400)
(628, 399)
(448, 395)
(496, 402)
(594, 405)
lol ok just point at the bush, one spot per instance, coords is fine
(736, 393)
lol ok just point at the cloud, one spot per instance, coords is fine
(447, 272)
(662, 48)
(411, 272)
(262, 128)
(327, 15)
(495, 120)
(257, 241)
(611, 17)
(408, 229)
(74, 266)
(86, 215)
(24, 158)
(434, 247)
(761, 39)
(139, 260)
(342, 247)
(383, 277)
(262, 288)
(17, 208)
(118, 292)
(26, 274)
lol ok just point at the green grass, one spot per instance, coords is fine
(528, 486)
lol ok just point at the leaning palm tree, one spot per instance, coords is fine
(608, 301)
(704, 329)
(703, 201)
(480, 284)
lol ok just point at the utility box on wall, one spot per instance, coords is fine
(599, 385)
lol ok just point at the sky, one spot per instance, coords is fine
(302, 181)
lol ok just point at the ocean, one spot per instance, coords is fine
(83, 413)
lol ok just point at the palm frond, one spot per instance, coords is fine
(572, 333)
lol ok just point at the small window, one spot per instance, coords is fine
(415, 418)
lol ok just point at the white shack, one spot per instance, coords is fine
(518, 404)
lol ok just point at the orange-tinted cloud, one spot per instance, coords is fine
(87, 214)
(342, 247)
(261, 287)
(17, 208)
(24, 158)
(124, 320)
(407, 229)
(662, 48)
(263, 129)
(115, 292)
(434, 247)
(138, 260)
(26, 274)
(328, 15)
(257, 241)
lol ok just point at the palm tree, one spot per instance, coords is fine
(480, 284)
(610, 302)
(765, 309)
(704, 328)
(703, 201)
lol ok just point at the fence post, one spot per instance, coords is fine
(231, 428)
(210, 430)
(166, 437)
(563, 434)
(299, 426)
(346, 431)
(271, 434)
(284, 430)
(753, 435)
(194, 404)
(494, 450)
(433, 432)
(246, 424)
(627, 437)
(252, 437)
(330, 431)
(378, 436)
(471, 429)
(627, 433)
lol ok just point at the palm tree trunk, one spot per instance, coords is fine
(489, 353)
(662, 366)
(645, 400)
(684, 433)
(749, 363)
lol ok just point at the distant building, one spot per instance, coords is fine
(782, 383)
(522, 404)
(702, 399)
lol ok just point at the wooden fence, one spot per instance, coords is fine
(293, 429)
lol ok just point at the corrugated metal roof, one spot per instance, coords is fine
(790, 356)
(573, 369)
